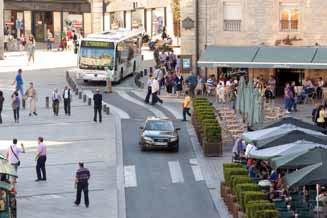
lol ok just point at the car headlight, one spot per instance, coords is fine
(173, 139)
(147, 139)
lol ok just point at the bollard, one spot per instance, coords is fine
(107, 110)
(76, 91)
(145, 72)
(80, 94)
(89, 101)
(151, 70)
(104, 108)
(141, 73)
(84, 98)
(47, 102)
(23, 103)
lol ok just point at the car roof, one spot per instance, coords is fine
(157, 119)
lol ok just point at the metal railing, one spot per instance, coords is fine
(232, 25)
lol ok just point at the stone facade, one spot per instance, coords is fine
(1, 30)
(260, 23)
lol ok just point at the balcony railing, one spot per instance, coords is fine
(232, 25)
(289, 25)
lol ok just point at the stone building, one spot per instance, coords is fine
(274, 29)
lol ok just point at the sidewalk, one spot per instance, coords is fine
(69, 140)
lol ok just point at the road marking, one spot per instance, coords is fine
(196, 170)
(130, 176)
(176, 173)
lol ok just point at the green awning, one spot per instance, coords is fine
(321, 56)
(7, 168)
(227, 56)
(264, 57)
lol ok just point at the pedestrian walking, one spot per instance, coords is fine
(82, 184)
(30, 95)
(55, 102)
(41, 158)
(2, 99)
(14, 152)
(31, 48)
(19, 82)
(49, 39)
(97, 99)
(149, 84)
(186, 105)
(179, 83)
(169, 83)
(67, 99)
(192, 81)
(155, 89)
(15, 104)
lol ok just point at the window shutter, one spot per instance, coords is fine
(232, 11)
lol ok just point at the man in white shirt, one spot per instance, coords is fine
(13, 154)
(67, 99)
(155, 89)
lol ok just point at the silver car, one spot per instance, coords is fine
(159, 134)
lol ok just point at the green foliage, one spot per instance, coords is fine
(254, 206)
(232, 165)
(269, 213)
(238, 180)
(228, 172)
(248, 196)
(243, 186)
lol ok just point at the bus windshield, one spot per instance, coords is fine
(96, 55)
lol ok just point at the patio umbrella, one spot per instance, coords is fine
(310, 175)
(240, 95)
(282, 150)
(263, 136)
(294, 136)
(257, 107)
(249, 102)
(297, 122)
(300, 159)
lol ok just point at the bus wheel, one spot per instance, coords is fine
(85, 81)
(121, 74)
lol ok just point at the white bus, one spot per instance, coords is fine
(116, 52)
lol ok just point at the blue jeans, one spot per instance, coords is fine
(19, 88)
(288, 104)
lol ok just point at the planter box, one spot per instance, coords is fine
(213, 149)
(241, 214)
(236, 210)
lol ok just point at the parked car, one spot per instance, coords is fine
(158, 133)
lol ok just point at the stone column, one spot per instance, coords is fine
(1, 30)
(27, 22)
(97, 16)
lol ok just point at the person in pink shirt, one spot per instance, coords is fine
(41, 158)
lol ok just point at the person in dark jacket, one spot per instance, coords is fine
(97, 99)
(2, 99)
(82, 184)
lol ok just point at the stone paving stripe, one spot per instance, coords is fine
(176, 173)
(196, 170)
(130, 176)
(57, 194)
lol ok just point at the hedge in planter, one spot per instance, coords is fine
(232, 165)
(267, 214)
(245, 185)
(228, 172)
(248, 196)
(238, 180)
(254, 206)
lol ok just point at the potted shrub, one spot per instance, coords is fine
(267, 214)
(248, 196)
(253, 206)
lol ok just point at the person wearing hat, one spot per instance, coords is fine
(97, 99)
(82, 184)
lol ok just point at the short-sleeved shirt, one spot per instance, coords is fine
(11, 156)
(83, 175)
(42, 149)
(187, 102)
(19, 80)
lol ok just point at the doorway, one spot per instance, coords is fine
(284, 76)
(42, 20)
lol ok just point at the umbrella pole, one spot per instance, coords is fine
(317, 189)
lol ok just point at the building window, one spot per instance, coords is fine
(232, 16)
(289, 17)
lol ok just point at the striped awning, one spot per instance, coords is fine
(264, 57)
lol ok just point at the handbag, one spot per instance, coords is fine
(18, 163)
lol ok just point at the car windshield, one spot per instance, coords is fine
(159, 125)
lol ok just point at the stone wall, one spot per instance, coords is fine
(1, 30)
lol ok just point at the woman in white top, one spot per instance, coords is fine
(220, 92)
